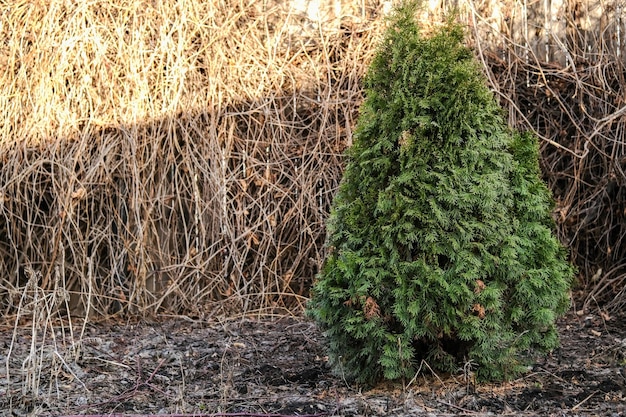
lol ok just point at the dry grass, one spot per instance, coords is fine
(177, 156)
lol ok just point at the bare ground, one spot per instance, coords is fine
(262, 367)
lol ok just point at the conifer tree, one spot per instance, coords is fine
(440, 245)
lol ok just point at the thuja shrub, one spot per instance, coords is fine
(440, 242)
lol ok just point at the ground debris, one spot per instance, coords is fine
(263, 367)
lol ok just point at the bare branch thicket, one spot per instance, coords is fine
(178, 159)
(563, 77)
(169, 159)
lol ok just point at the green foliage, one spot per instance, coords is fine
(440, 244)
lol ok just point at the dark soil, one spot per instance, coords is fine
(262, 367)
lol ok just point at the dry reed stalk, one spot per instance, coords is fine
(177, 157)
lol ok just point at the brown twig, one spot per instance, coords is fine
(131, 392)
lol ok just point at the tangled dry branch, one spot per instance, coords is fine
(576, 105)
(182, 158)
